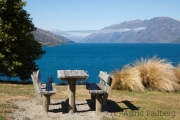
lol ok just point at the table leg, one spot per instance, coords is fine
(71, 95)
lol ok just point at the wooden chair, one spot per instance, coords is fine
(43, 90)
(100, 91)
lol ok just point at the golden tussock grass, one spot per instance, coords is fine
(177, 72)
(127, 79)
(157, 74)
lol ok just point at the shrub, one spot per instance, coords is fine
(127, 79)
(157, 74)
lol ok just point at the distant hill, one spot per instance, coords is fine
(155, 30)
(49, 38)
(176, 41)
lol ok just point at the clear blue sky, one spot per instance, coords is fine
(96, 14)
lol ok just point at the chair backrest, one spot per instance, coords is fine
(38, 76)
(105, 81)
(36, 82)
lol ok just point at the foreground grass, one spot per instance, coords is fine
(148, 104)
(6, 108)
(151, 105)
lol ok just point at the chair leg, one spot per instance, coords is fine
(105, 96)
(46, 100)
(98, 103)
(93, 96)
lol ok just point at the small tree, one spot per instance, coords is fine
(18, 48)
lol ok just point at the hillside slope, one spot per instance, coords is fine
(49, 38)
(176, 41)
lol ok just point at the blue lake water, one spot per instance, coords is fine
(95, 57)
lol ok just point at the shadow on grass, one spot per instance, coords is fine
(111, 106)
(63, 109)
(130, 105)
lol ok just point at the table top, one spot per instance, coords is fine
(72, 74)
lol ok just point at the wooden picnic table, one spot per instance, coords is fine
(72, 76)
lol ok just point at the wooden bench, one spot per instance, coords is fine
(43, 90)
(99, 91)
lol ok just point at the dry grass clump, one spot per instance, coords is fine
(177, 72)
(152, 73)
(127, 79)
(157, 74)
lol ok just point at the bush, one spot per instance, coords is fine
(157, 74)
(127, 79)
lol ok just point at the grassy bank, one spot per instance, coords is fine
(149, 105)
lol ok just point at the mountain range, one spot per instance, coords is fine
(48, 38)
(155, 30)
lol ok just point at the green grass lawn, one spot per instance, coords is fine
(151, 105)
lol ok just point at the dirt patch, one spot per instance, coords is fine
(59, 110)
